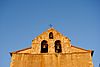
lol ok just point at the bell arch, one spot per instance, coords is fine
(44, 46)
(50, 35)
(58, 48)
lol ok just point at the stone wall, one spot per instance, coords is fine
(52, 60)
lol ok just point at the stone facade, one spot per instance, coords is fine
(68, 56)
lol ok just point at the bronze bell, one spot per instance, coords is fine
(44, 46)
(58, 47)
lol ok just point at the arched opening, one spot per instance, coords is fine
(58, 46)
(44, 46)
(50, 35)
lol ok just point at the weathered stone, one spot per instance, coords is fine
(70, 56)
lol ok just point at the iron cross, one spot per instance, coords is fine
(51, 25)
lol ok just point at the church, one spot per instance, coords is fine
(51, 49)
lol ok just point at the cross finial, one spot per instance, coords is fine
(50, 25)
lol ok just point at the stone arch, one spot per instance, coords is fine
(58, 48)
(50, 35)
(44, 46)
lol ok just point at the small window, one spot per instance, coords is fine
(44, 46)
(58, 46)
(50, 35)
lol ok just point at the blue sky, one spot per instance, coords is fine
(23, 20)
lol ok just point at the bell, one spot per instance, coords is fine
(44, 46)
(51, 36)
(58, 47)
